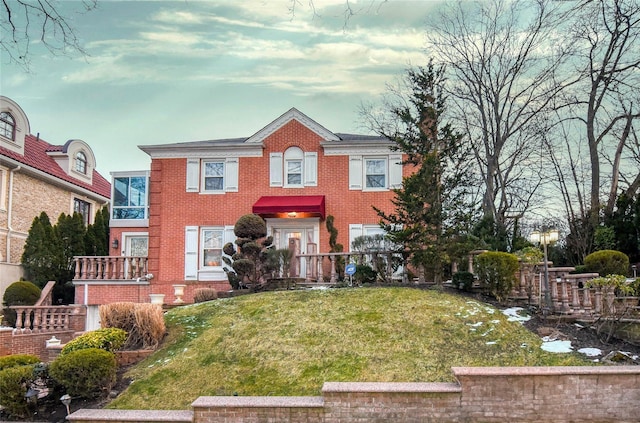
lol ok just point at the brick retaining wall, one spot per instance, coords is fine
(487, 394)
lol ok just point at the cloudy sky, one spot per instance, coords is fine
(173, 71)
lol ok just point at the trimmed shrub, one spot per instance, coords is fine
(14, 382)
(144, 323)
(204, 294)
(16, 360)
(463, 280)
(497, 272)
(107, 339)
(19, 293)
(607, 262)
(87, 373)
(250, 226)
(364, 274)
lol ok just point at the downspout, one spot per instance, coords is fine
(9, 214)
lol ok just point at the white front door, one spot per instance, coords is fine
(136, 244)
(297, 234)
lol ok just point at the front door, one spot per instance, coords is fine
(135, 245)
(300, 235)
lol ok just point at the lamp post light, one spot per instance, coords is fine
(545, 237)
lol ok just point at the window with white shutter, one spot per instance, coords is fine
(193, 175)
(191, 253)
(275, 169)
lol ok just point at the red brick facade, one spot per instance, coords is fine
(173, 208)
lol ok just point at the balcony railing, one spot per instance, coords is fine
(91, 268)
(39, 319)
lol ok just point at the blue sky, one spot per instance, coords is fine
(173, 71)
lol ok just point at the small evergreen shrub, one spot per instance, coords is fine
(463, 280)
(14, 382)
(86, 373)
(16, 360)
(497, 272)
(144, 323)
(108, 339)
(204, 294)
(607, 262)
(19, 293)
(365, 274)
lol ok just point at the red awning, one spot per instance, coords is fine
(269, 205)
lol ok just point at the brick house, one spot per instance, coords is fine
(293, 172)
(36, 176)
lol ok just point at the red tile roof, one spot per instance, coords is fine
(35, 156)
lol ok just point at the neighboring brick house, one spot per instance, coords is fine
(36, 176)
(293, 172)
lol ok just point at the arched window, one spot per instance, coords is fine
(81, 162)
(293, 159)
(7, 126)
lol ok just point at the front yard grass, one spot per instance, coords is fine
(291, 342)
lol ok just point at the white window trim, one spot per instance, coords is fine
(203, 177)
(358, 172)
(195, 175)
(193, 268)
(359, 229)
(386, 173)
(278, 169)
(130, 223)
(201, 264)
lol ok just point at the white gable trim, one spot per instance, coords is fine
(285, 118)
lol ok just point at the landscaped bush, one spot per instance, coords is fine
(15, 360)
(364, 274)
(497, 272)
(204, 294)
(108, 339)
(87, 373)
(144, 323)
(607, 262)
(463, 280)
(14, 382)
(19, 293)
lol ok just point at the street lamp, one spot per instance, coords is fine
(545, 237)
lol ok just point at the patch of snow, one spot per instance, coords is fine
(491, 343)
(513, 314)
(475, 325)
(590, 352)
(556, 346)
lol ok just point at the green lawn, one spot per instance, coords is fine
(291, 342)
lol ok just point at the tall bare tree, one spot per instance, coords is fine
(607, 34)
(27, 22)
(503, 60)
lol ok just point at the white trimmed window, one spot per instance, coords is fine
(293, 169)
(212, 176)
(375, 173)
(81, 163)
(203, 252)
(130, 197)
(211, 241)
(7, 126)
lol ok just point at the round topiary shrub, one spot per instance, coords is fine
(16, 360)
(607, 262)
(250, 226)
(108, 339)
(19, 293)
(14, 382)
(87, 373)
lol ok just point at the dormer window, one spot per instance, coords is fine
(7, 126)
(81, 163)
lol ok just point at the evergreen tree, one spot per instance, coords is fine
(97, 236)
(38, 256)
(431, 208)
(70, 235)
